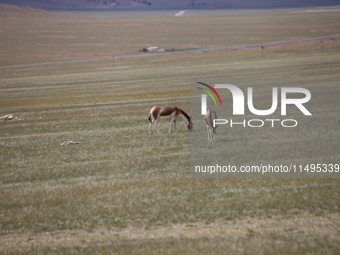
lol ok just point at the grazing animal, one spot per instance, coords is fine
(209, 122)
(168, 113)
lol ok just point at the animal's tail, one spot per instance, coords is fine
(150, 118)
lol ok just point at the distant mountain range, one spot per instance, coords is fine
(167, 4)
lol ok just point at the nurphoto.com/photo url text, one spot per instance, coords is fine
(268, 168)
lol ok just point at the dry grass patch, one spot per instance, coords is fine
(124, 190)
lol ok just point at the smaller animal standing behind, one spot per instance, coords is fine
(209, 122)
(168, 113)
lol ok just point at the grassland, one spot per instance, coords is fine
(39, 36)
(123, 191)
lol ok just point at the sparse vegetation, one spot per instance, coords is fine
(123, 191)
(40, 36)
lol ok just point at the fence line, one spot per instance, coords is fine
(303, 41)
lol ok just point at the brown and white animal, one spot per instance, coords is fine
(209, 122)
(168, 113)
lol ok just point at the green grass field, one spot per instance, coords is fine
(123, 191)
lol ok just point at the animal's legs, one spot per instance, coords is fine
(150, 126)
(171, 123)
(156, 125)
(208, 133)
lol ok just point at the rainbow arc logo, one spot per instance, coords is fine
(209, 93)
